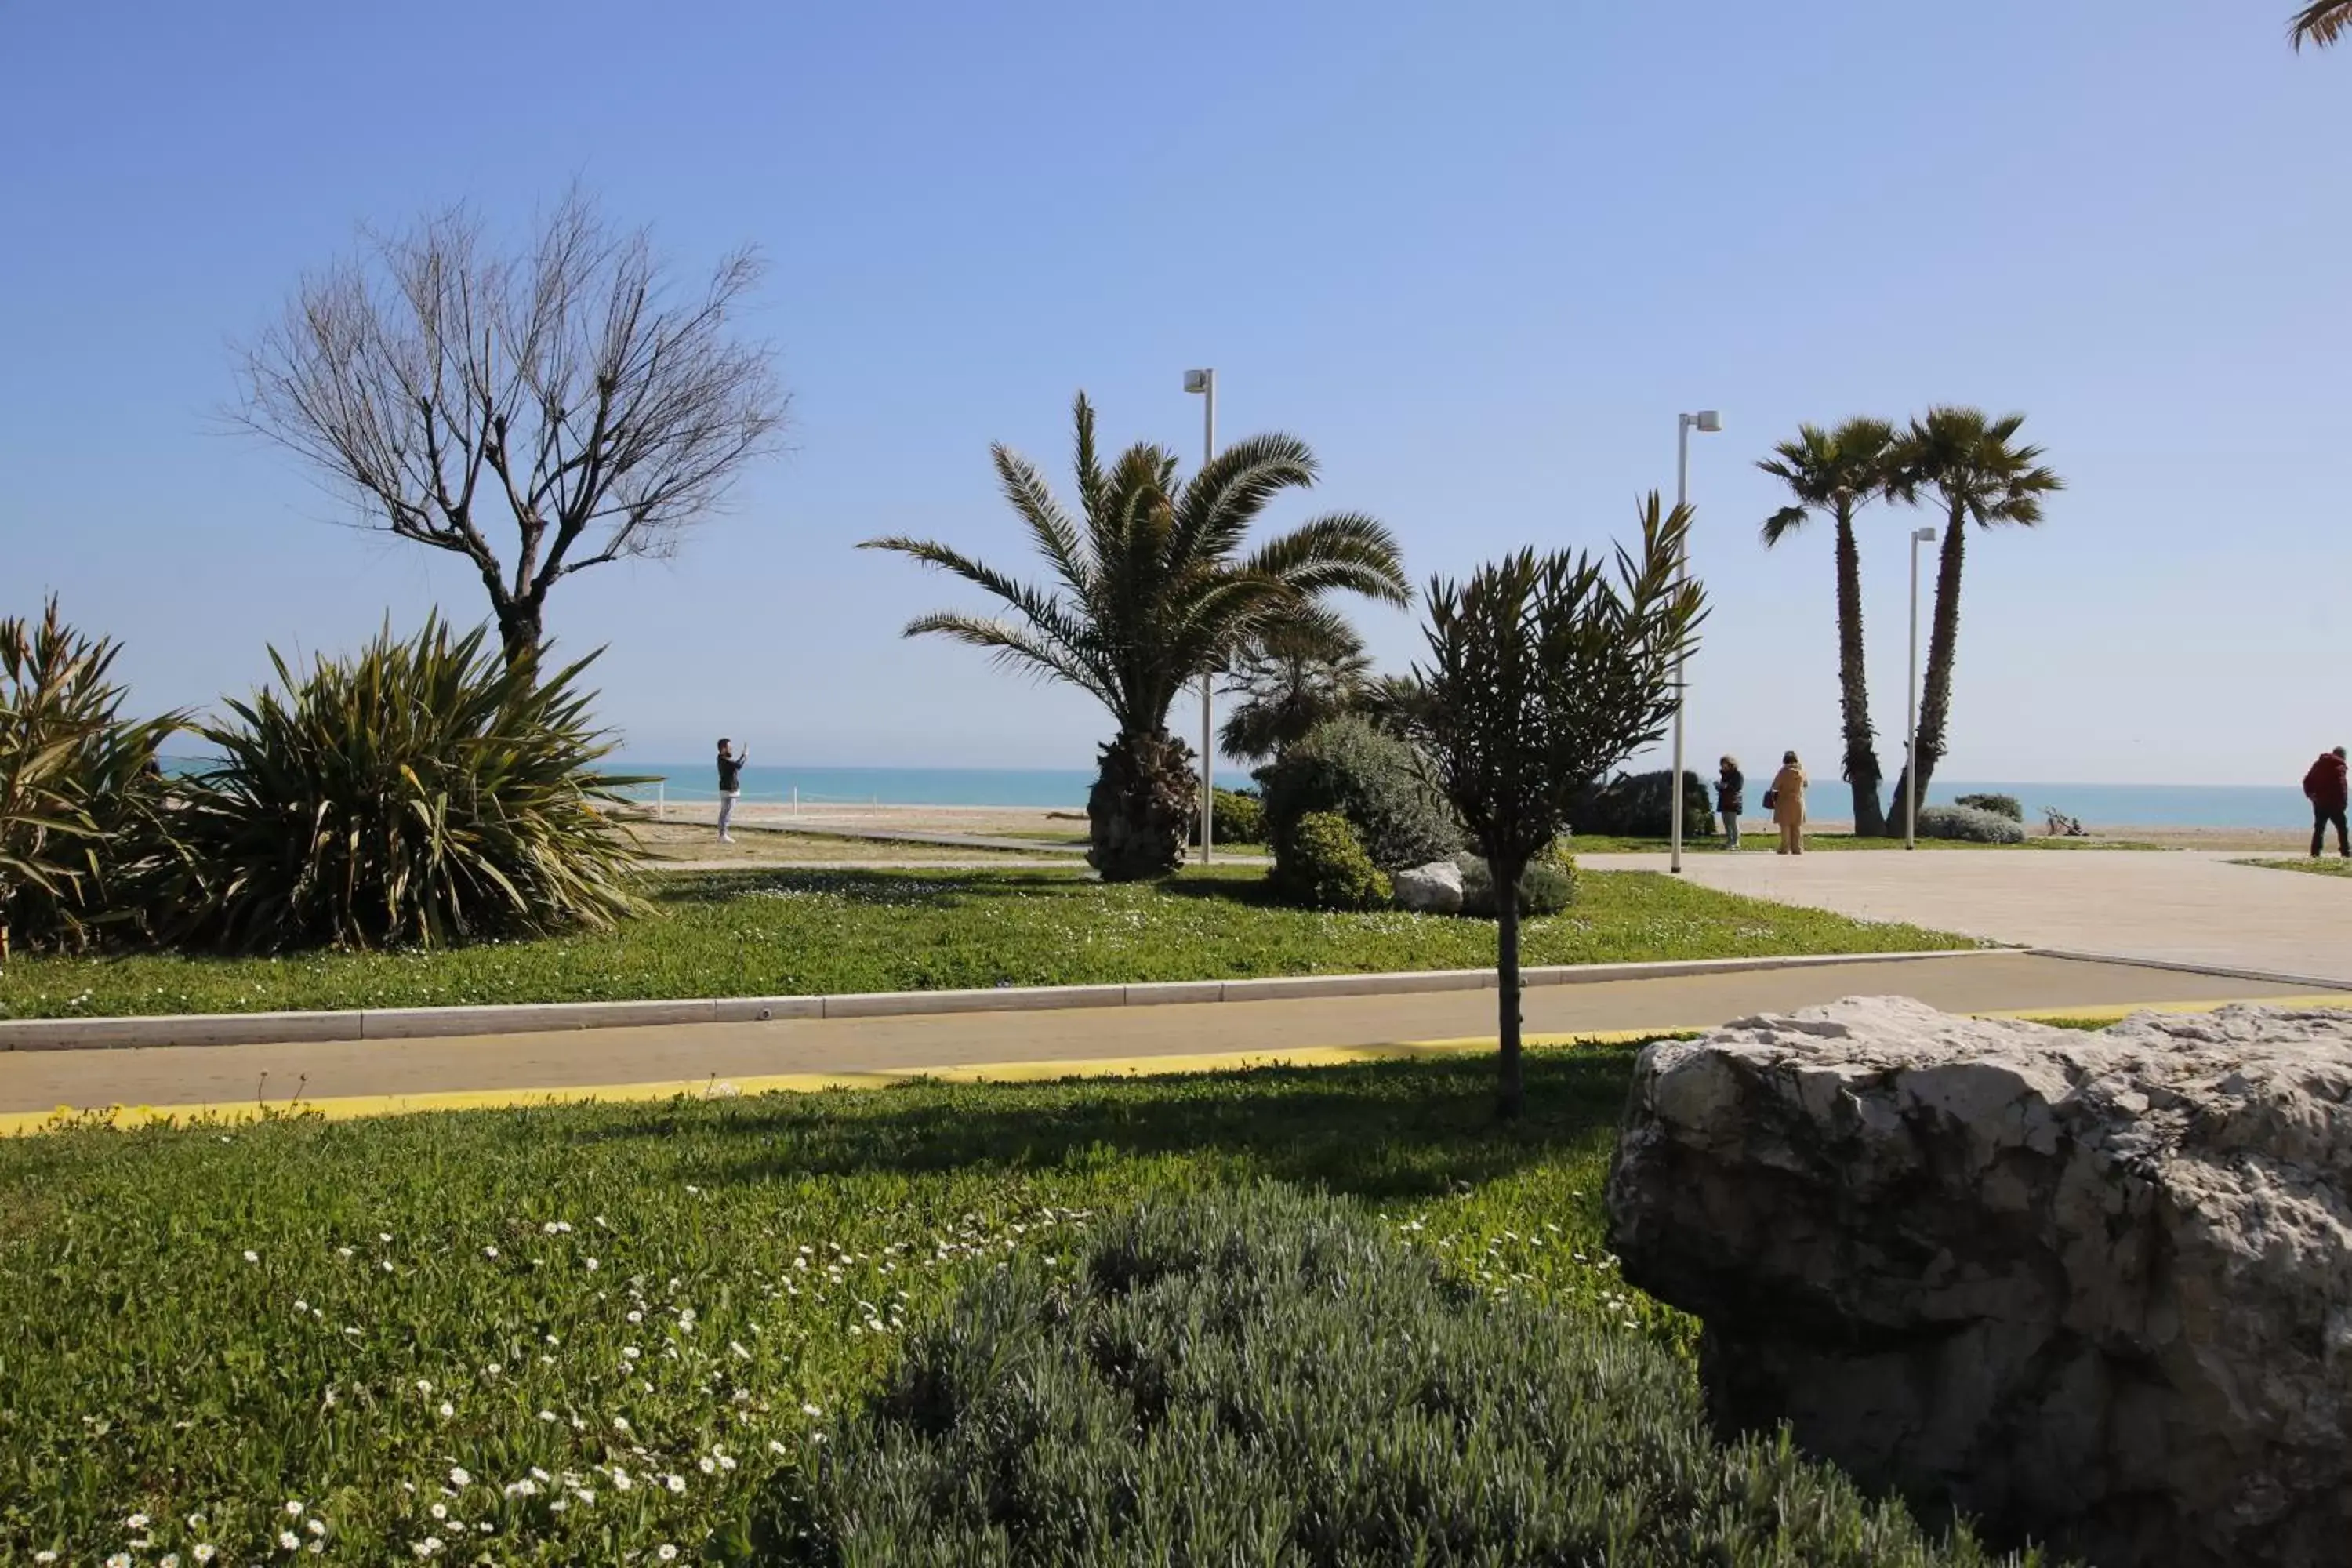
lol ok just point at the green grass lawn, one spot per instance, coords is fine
(2335, 866)
(802, 933)
(583, 1334)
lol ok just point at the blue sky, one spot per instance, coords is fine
(1478, 255)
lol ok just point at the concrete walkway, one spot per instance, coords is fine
(2174, 907)
(379, 1073)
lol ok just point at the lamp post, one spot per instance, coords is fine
(1919, 536)
(1204, 382)
(1707, 421)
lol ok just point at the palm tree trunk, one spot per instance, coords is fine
(1512, 1095)
(1853, 686)
(1141, 807)
(1935, 694)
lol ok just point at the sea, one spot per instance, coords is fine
(2099, 805)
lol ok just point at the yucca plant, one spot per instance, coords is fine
(82, 832)
(424, 793)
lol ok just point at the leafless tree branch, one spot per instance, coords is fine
(572, 396)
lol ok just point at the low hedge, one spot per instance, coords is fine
(2007, 806)
(1370, 778)
(1240, 818)
(1547, 887)
(1267, 1377)
(1967, 823)
(1640, 806)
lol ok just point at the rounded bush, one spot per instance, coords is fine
(1269, 1377)
(1967, 823)
(425, 793)
(1639, 805)
(2007, 806)
(1240, 819)
(1373, 780)
(1547, 887)
(1322, 866)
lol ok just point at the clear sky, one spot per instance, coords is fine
(1478, 255)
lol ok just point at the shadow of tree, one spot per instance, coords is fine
(940, 888)
(1380, 1131)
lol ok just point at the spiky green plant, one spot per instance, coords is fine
(1153, 591)
(1291, 677)
(425, 793)
(82, 831)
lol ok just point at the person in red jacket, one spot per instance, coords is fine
(2325, 788)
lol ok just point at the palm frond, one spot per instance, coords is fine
(1345, 552)
(1232, 489)
(1015, 646)
(2321, 25)
(1056, 537)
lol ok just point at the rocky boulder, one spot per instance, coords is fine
(2094, 1289)
(1435, 888)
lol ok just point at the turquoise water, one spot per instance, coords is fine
(2101, 805)
(1064, 787)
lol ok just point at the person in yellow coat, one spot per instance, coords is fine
(1787, 803)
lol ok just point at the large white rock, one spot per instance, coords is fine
(1435, 888)
(2095, 1288)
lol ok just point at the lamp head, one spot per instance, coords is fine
(1707, 420)
(1924, 535)
(1198, 380)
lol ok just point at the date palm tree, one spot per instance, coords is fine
(1981, 474)
(1834, 474)
(2321, 24)
(1290, 677)
(1152, 589)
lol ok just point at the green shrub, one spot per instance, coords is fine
(425, 793)
(1547, 887)
(1967, 823)
(1638, 805)
(84, 844)
(1322, 866)
(1373, 780)
(1268, 1378)
(2007, 806)
(1240, 819)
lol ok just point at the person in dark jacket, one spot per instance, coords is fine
(731, 786)
(1729, 785)
(2325, 788)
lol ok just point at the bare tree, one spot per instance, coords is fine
(570, 393)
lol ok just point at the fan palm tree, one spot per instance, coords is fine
(1982, 474)
(2321, 24)
(1151, 590)
(1291, 675)
(1834, 474)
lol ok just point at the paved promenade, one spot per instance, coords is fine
(2175, 906)
(375, 1075)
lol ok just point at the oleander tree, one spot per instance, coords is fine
(1544, 673)
(1153, 584)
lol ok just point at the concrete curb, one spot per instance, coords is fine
(442, 1023)
(2181, 966)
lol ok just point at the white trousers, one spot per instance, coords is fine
(726, 809)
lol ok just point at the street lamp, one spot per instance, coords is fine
(1919, 536)
(1707, 421)
(1204, 382)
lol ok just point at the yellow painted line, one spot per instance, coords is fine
(351, 1106)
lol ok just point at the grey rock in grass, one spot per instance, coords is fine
(2091, 1288)
(1435, 888)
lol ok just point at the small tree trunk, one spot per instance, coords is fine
(1854, 687)
(1936, 689)
(520, 629)
(1512, 1097)
(1143, 802)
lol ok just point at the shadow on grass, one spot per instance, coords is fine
(944, 887)
(1382, 1130)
